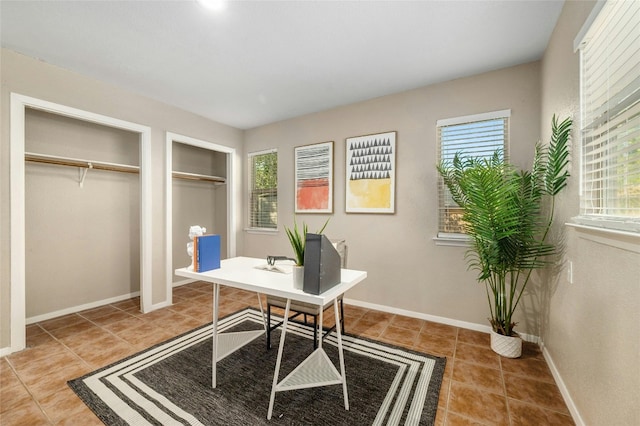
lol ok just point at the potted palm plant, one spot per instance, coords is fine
(298, 240)
(506, 216)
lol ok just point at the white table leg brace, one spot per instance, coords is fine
(316, 370)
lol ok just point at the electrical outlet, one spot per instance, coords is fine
(570, 272)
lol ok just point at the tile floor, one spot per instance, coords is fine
(479, 387)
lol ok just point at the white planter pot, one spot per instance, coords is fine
(298, 277)
(506, 346)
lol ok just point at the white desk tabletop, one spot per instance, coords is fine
(241, 272)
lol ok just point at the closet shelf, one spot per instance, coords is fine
(76, 162)
(114, 167)
(197, 176)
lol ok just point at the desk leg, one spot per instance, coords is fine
(214, 356)
(320, 330)
(342, 372)
(280, 349)
(264, 317)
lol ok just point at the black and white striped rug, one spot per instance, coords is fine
(170, 383)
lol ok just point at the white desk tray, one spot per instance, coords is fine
(316, 370)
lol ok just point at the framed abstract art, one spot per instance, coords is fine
(371, 173)
(314, 178)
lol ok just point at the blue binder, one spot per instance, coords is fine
(208, 252)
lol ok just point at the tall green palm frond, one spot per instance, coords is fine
(556, 172)
(504, 216)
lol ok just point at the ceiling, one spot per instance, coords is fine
(257, 62)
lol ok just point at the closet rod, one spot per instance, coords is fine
(199, 177)
(101, 165)
(76, 162)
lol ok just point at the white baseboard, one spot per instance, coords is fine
(74, 309)
(433, 318)
(183, 282)
(575, 414)
(573, 410)
(5, 351)
(166, 303)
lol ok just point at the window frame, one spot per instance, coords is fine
(606, 222)
(443, 238)
(250, 190)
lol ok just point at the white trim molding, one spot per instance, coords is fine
(232, 197)
(573, 410)
(80, 308)
(453, 240)
(19, 103)
(577, 42)
(624, 240)
(505, 113)
(433, 318)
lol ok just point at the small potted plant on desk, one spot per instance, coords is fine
(298, 240)
(505, 217)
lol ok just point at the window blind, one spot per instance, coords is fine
(610, 114)
(471, 136)
(263, 189)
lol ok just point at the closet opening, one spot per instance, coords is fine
(200, 191)
(80, 212)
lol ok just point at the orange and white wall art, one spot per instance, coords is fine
(314, 178)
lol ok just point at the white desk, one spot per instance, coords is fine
(241, 272)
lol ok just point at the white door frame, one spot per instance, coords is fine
(19, 104)
(231, 197)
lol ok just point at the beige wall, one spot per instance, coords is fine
(591, 327)
(82, 243)
(406, 270)
(33, 78)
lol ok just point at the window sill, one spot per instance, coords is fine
(626, 240)
(607, 224)
(452, 241)
(264, 231)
